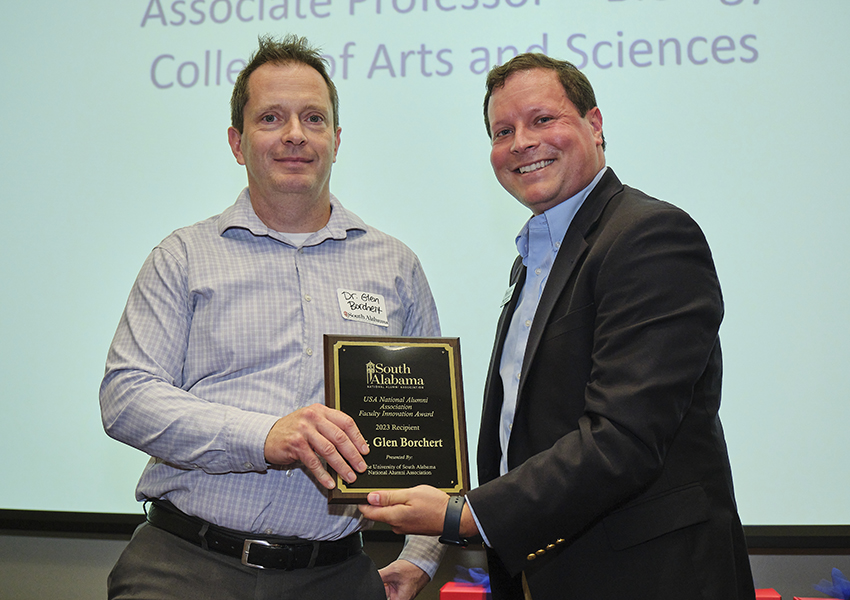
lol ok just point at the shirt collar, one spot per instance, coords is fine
(557, 219)
(242, 216)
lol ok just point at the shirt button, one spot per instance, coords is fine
(248, 466)
(528, 322)
(268, 532)
(289, 473)
(517, 376)
(537, 271)
(309, 352)
(308, 298)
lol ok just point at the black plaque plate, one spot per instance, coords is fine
(406, 396)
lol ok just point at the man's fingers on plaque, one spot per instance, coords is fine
(349, 427)
(340, 452)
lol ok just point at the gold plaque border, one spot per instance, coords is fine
(342, 494)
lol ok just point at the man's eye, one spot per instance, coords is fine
(269, 118)
(315, 119)
(544, 119)
(502, 132)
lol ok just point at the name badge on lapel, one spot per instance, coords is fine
(508, 295)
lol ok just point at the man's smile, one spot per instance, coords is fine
(535, 166)
(293, 160)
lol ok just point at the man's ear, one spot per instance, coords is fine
(336, 141)
(234, 138)
(594, 117)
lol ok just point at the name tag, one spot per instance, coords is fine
(508, 295)
(364, 307)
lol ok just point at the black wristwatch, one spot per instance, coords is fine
(451, 526)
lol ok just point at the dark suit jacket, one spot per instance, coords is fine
(619, 483)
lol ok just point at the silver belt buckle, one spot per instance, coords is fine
(246, 548)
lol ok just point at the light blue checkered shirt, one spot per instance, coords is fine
(222, 335)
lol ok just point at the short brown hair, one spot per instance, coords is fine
(290, 49)
(576, 84)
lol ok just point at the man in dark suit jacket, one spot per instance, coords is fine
(602, 465)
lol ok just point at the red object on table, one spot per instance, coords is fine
(455, 590)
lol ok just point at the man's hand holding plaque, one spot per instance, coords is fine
(421, 510)
(313, 432)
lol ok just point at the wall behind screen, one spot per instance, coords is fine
(115, 117)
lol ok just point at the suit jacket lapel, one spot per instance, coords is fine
(489, 451)
(573, 246)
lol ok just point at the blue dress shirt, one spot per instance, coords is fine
(538, 243)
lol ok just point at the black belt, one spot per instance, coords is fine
(262, 552)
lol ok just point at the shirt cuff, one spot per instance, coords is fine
(424, 551)
(247, 440)
(477, 523)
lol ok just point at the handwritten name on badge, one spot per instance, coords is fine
(364, 307)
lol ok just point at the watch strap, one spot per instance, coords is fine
(451, 524)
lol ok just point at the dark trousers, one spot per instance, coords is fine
(157, 565)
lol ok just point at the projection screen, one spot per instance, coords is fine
(735, 110)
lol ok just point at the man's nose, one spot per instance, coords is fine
(293, 132)
(523, 139)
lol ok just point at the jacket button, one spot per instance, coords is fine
(531, 557)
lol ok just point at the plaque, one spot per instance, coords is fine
(406, 396)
